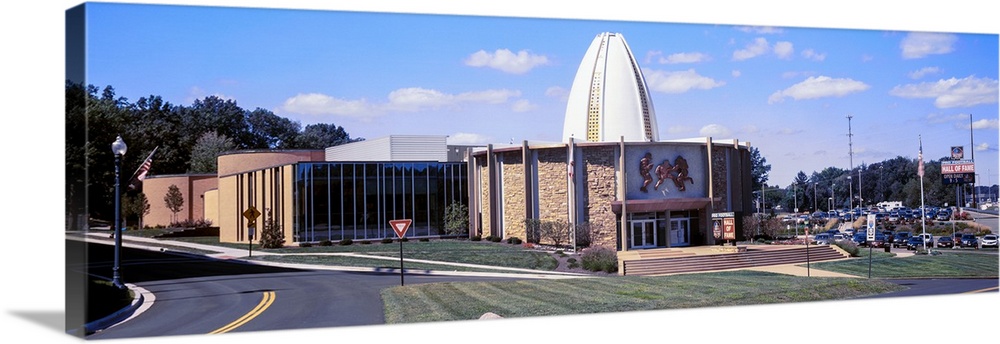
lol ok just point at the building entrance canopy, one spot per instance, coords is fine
(656, 205)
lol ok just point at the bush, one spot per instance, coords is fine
(849, 246)
(514, 241)
(386, 240)
(403, 239)
(425, 239)
(326, 243)
(305, 244)
(477, 238)
(456, 218)
(345, 242)
(599, 258)
(494, 238)
(271, 236)
(366, 242)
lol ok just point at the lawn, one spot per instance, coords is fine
(531, 298)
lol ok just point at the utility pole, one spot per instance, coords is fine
(850, 153)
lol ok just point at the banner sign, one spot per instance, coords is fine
(954, 167)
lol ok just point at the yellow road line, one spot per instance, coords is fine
(265, 302)
(981, 290)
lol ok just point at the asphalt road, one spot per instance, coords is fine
(195, 295)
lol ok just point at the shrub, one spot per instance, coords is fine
(599, 258)
(477, 238)
(425, 239)
(849, 246)
(514, 241)
(305, 244)
(403, 239)
(271, 236)
(456, 218)
(326, 243)
(366, 242)
(345, 242)
(494, 238)
(386, 240)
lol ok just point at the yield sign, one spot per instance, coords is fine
(400, 226)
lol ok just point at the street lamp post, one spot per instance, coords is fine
(118, 148)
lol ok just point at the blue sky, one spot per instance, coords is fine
(478, 79)
(34, 73)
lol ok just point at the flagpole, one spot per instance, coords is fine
(923, 211)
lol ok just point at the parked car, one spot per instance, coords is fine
(823, 239)
(969, 240)
(899, 240)
(989, 240)
(928, 238)
(943, 216)
(860, 239)
(839, 237)
(880, 241)
(946, 241)
(914, 243)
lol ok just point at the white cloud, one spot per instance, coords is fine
(556, 92)
(736, 73)
(813, 55)
(760, 29)
(715, 130)
(404, 100)
(197, 93)
(685, 58)
(757, 48)
(919, 44)
(789, 131)
(321, 104)
(986, 124)
(751, 129)
(522, 105)
(468, 138)
(983, 146)
(784, 50)
(506, 61)
(819, 87)
(919, 74)
(949, 93)
(679, 82)
(678, 129)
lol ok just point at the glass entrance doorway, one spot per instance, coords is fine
(644, 234)
(680, 232)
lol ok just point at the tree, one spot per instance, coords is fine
(137, 206)
(271, 131)
(205, 153)
(759, 168)
(271, 236)
(174, 201)
(322, 135)
(456, 218)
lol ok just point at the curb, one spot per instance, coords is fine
(116, 317)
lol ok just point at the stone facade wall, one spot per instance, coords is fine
(514, 195)
(600, 188)
(482, 168)
(553, 204)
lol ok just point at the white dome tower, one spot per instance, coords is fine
(609, 98)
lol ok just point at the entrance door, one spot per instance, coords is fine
(643, 233)
(680, 232)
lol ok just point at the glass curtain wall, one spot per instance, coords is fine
(338, 200)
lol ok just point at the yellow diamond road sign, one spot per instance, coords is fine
(251, 213)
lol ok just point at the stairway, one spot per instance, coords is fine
(670, 264)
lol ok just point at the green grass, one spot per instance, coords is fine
(531, 298)
(948, 264)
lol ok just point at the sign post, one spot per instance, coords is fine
(400, 227)
(251, 214)
(871, 239)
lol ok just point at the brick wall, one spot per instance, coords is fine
(514, 197)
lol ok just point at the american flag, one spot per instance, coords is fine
(920, 158)
(140, 174)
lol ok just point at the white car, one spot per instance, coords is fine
(989, 240)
